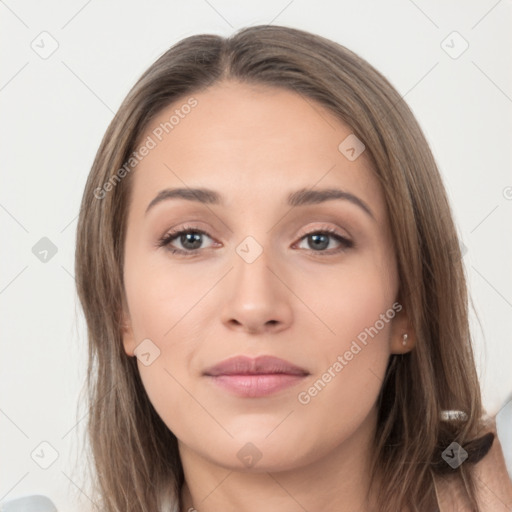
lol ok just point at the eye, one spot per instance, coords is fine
(190, 239)
(320, 240)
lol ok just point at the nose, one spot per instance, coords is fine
(257, 298)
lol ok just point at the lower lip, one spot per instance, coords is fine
(254, 386)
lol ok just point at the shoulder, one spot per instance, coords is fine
(493, 483)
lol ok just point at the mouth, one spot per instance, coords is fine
(255, 377)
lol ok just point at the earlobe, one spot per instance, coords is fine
(402, 343)
(403, 339)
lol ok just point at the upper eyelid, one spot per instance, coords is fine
(188, 228)
(329, 229)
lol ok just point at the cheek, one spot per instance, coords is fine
(163, 297)
(346, 302)
(352, 351)
(164, 305)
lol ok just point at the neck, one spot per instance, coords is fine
(337, 482)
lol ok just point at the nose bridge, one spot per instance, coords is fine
(252, 268)
(257, 298)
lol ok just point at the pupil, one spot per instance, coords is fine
(188, 238)
(323, 244)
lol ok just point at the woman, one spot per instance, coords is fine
(274, 293)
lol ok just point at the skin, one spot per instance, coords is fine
(255, 145)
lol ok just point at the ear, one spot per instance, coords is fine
(127, 334)
(403, 337)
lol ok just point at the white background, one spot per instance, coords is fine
(55, 111)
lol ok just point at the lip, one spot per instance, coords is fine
(255, 377)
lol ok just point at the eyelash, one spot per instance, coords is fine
(166, 240)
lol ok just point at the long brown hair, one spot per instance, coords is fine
(134, 454)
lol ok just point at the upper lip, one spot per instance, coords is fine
(261, 365)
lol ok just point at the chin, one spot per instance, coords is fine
(255, 450)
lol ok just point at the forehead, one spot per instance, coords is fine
(248, 140)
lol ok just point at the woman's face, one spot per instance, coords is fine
(258, 276)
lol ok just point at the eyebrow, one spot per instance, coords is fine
(302, 197)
